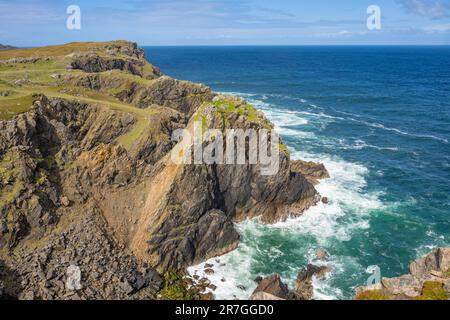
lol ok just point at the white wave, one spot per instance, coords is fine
(347, 200)
(361, 144)
(352, 117)
(398, 131)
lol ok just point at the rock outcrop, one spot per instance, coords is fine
(312, 171)
(273, 287)
(428, 279)
(87, 179)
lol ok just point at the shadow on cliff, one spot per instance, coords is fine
(10, 286)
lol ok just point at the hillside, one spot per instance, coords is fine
(5, 47)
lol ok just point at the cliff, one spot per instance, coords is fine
(86, 176)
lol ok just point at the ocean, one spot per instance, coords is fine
(377, 117)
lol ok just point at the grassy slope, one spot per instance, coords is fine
(60, 50)
(41, 77)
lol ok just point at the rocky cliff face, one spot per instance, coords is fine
(86, 177)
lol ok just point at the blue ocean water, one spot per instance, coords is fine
(378, 117)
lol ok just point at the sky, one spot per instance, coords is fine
(28, 23)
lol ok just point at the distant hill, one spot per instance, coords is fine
(5, 47)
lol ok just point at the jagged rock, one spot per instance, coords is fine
(311, 170)
(274, 286)
(304, 286)
(209, 271)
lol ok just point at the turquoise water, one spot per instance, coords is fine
(378, 117)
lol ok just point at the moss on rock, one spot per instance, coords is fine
(433, 290)
(373, 295)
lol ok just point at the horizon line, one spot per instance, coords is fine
(254, 45)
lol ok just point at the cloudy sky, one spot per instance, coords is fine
(226, 22)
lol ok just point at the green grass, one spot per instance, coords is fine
(11, 106)
(128, 139)
(228, 106)
(56, 51)
(447, 273)
(175, 288)
(433, 290)
(372, 295)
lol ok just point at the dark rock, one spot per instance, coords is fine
(126, 287)
(212, 287)
(311, 170)
(274, 286)
(304, 286)
(209, 271)
(2, 291)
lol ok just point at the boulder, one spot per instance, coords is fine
(311, 170)
(64, 201)
(322, 255)
(209, 271)
(405, 285)
(274, 286)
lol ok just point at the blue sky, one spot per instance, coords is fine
(226, 22)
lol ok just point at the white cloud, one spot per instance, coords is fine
(429, 8)
(438, 28)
